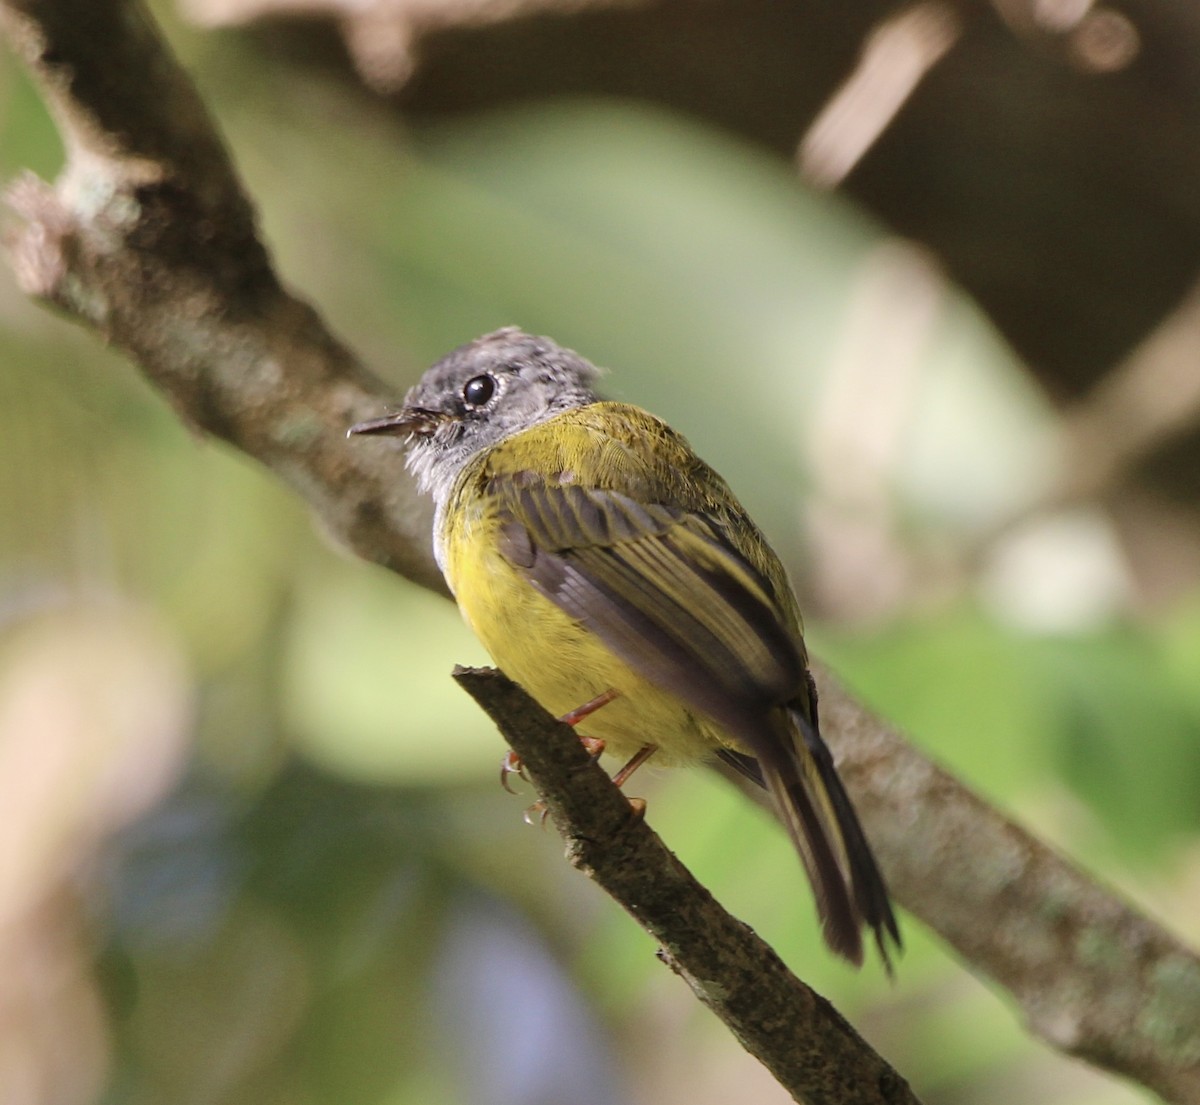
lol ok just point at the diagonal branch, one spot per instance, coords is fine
(1092, 976)
(804, 1042)
(148, 238)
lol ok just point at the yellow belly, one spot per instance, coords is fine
(563, 665)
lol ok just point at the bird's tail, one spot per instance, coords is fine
(821, 821)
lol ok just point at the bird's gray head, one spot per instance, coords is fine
(478, 395)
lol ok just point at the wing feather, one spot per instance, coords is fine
(668, 593)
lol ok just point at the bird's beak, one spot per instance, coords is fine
(406, 421)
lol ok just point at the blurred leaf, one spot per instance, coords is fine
(959, 684)
(27, 138)
(367, 688)
(1127, 734)
(980, 443)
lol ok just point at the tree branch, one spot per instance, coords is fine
(383, 36)
(148, 238)
(804, 1042)
(1093, 977)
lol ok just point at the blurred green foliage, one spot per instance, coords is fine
(335, 902)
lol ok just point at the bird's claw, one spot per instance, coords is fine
(536, 814)
(511, 765)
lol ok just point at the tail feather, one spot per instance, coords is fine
(805, 813)
(820, 819)
(866, 883)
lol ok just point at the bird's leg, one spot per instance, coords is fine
(637, 805)
(575, 716)
(635, 761)
(537, 812)
(511, 764)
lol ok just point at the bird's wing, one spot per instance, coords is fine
(666, 592)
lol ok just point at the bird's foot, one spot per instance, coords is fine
(511, 765)
(593, 746)
(637, 806)
(536, 814)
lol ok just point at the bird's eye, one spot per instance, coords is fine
(478, 390)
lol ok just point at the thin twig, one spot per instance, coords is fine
(797, 1034)
(384, 36)
(896, 57)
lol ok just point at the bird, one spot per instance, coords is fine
(613, 574)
